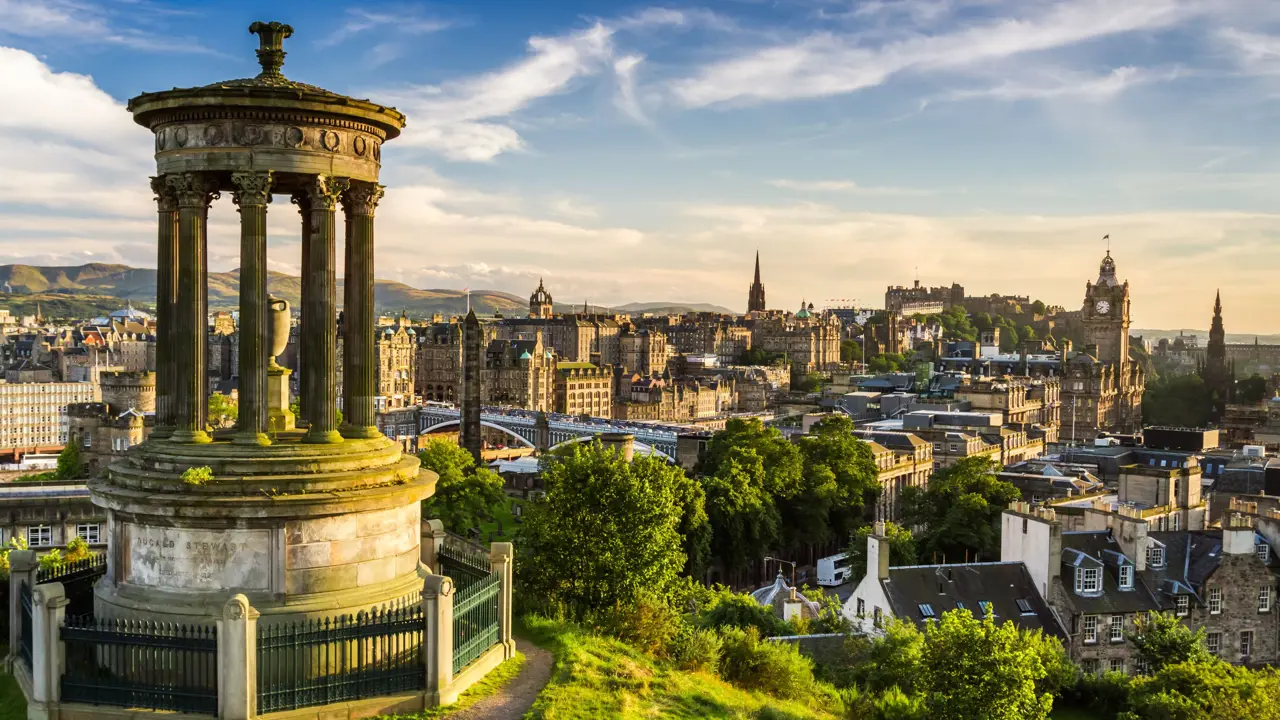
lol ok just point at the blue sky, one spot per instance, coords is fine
(632, 151)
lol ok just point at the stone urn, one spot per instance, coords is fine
(278, 324)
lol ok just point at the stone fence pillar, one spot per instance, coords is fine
(22, 566)
(238, 660)
(502, 562)
(48, 608)
(433, 535)
(437, 639)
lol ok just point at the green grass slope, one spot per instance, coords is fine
(596, 677)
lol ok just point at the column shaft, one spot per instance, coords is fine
(253, 192)
(191, 332)
(166, 299)
(319, 300)
(301, 199)
(359, 362)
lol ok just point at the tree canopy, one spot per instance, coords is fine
(960, 510)
(902, 548)
(223, 411)
(1251, 390)
(606, 531)
(1179, 400)
(465, 495)
(1161, 640)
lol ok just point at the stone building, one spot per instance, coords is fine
(519, 373)
(809, 340)
(642, 350)
(34, 415)
(908, 300)
(49, 515)
(1100, 580)
(438, 361)
(123, 419)
(584, 389)
(902, 460)
(1032, 405)
(540, 304)
(396, 355)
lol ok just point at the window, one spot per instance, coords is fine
(1091, 628)
(1213, 642)
(88, 439)
(1024, 526)
(1140, 665)
(875, 619)
(1263, 551)
(1117, 628)
(1175, 522)
(1089, 666)
(1116, 665)
(1182, 605)
(89, 532)
(1264, 599)
(1215, 601)
(1155, 556)
(862, 607)
(1126, 577)
(1088, 580)
(1024, 607)
(1246, 643)
(986, 608)
(959, 605)
(926, 611)
(39, 536)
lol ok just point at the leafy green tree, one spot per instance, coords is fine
(960, 510)
(1008, 340)
(743, 518)
(809, 383)
(902, 548)
(465, 495)
(972, 668)
(758, 356)
(1252, 389)
(783, 464)
(833, 454)
(223, 411)
(1205, 689)
(1161, 639)
(70, 462)
(850, 351)
(883, 363)
(606, 531)
(1181, 400)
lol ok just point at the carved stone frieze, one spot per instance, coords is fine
(232, 134)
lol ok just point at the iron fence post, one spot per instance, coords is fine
(437, 639)
(49, 603)
(237, 660)
(22, 568)
(502, 560)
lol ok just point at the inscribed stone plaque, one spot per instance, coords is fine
(192, 559)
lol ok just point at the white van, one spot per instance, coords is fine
(834, 570)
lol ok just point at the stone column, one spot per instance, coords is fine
(432, 540)
(22, 568)
(319, 301)
(252, 193)
(48, 608)
(437, 612)
(359, 364)
(238, 660)
(166, 300)
(502, 562)
(301, 199)
(195, 191)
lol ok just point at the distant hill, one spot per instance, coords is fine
(672, 308)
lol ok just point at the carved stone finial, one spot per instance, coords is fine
(271, 53)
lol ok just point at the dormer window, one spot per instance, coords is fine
(1182, 605)
(1126, 577)
(1088, 581)
(1155, 556)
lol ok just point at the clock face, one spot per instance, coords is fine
(1103, 307)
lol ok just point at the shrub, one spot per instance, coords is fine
(649, 624)
(77, 549)
(897, 705)
(733, 610)
(695, 649)
(51, 560)
(775, 668)
(1103, 695)
(197, 475)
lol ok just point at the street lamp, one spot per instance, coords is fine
(780, 561)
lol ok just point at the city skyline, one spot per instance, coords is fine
(647, 153)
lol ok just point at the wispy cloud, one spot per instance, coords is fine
(83, 23)
(403, 22)
(825, 63)
(1056, 83)
(845, 186)
(1257, 53)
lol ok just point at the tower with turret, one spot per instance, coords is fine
(755, 296)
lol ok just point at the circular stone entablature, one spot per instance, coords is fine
(267, 122)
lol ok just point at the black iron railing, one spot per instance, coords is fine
(124, 663)
(476, 625)
(318, 662)
(24, 617)
(463, 561)
(93, 565)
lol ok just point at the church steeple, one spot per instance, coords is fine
(755, 296)
(1217, 376)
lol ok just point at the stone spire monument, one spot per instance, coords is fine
(321, 521)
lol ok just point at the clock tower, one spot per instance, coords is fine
(1105, 314)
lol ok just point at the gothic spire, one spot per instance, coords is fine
(757, 267)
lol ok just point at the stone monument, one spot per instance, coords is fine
(302, 523)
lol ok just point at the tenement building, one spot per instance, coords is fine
(33, 415)
(123, 419)
(584, 389)
(519, 373)
(808, 339)
(396, 356)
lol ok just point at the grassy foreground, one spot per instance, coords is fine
(596, 677)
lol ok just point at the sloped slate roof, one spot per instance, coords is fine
(949, 587)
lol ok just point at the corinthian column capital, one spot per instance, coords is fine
(362, 198)
(322, 191)
(253, 189)
(166, 198)
(193, 189)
